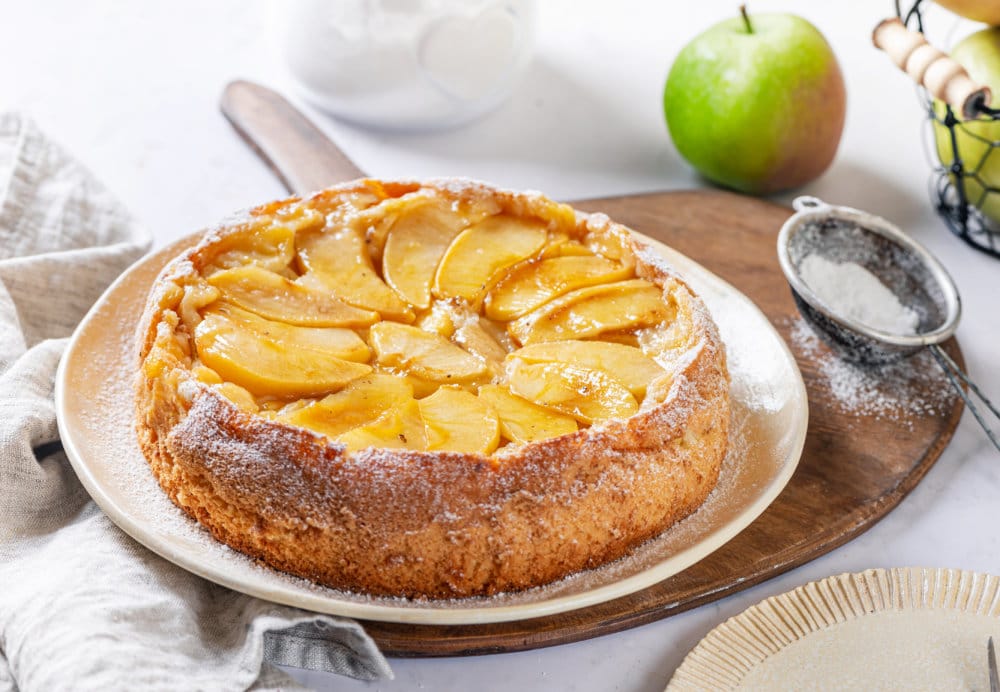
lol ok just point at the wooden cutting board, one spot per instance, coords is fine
(855, 467)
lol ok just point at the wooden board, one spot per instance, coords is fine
(855, 467)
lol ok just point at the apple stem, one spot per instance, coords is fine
(746, 18)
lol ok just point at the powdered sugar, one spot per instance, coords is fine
(110, 419)
(851, 291)
(757, 371)
(896, 391)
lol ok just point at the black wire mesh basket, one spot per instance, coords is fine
(967, 157)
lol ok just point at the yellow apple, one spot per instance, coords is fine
(534, 283)
(627, 364)
(359, 403)
(399, 427)
(979, 54)
(986, 11)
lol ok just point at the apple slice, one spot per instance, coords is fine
(612, 245)
(399, 427)
(440, 319)
(522, 421)
(427, 355)
(675, 336)
(476, 339)
(457, 421)
(359, 403)
(626, 338)
(238, 396)
(628, 365)
(534, 283)
(381, 220)
(273, 296)
(298, 217)
(479, 256)
(262, 243)
(338, 257)
(336, 341)
(266, 366)
(587, 395)
(498, 330)
(590, 311)
(415, 244)
(421, 387)
(206, 375)
(563, 246)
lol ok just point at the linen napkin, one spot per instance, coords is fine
(83, 606)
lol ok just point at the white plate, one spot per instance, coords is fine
(94, 405)
(899, 629)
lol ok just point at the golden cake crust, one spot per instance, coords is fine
(428, 524)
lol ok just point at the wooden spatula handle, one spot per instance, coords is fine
(302, 157)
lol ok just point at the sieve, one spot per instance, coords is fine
(920, 282)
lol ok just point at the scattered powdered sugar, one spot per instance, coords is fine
(114, 454)
(914, 386)
(851, 291)
(759, 371)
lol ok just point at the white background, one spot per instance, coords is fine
(132, 89)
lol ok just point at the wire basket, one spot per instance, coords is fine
(959, 190)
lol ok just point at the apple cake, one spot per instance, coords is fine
(436, 389)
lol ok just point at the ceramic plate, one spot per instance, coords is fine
(899, 629)
(94, 403)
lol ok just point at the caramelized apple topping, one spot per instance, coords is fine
(402, 318)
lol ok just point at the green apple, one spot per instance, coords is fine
(757, 103)
(979, 54)
(987, 11)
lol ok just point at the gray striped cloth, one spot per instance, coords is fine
(82, 605)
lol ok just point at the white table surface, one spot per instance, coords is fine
(132, 89)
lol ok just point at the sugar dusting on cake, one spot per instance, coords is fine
(139, 495)
(231, 458)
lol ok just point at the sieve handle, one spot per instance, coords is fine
(932, 69)
(956, 377)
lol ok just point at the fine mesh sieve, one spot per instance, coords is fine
(844, 235)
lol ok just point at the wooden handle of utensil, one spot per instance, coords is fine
(943, 78)
(298, 152)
